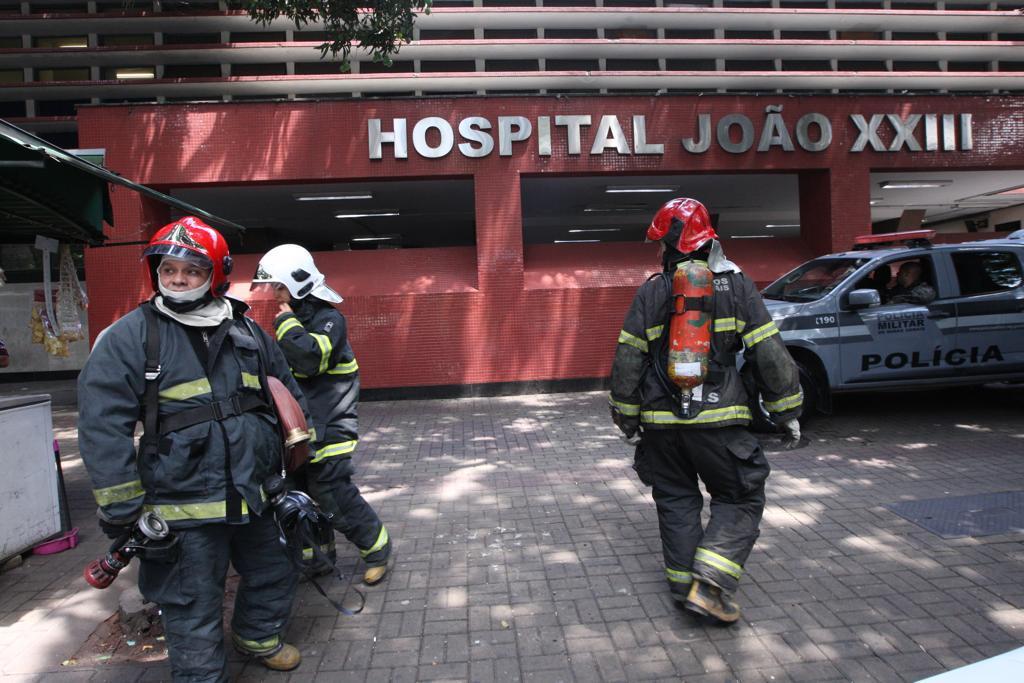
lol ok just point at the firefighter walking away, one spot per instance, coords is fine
(675, 384)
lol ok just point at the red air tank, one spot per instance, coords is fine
(690, 328)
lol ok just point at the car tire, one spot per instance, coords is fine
(761, 423)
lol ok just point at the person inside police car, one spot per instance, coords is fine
(910, 287)
(711, 442)
(313, 335)
(193, 368)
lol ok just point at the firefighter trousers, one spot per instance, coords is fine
(330, 485)
(730, 462)
(190, 593)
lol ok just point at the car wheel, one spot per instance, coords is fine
(761, 421)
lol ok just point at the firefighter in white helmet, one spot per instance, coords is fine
(701, 433)
(313, 335)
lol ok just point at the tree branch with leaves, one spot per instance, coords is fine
(379, 28)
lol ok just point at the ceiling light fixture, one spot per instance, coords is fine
(751, 237)
(332, 196)
(369, 214)
(134, 74)
(912, 184)
(595, 229)
(875, 200)
(371, 239)
(574, 241)
(629, 189)
(783, 225)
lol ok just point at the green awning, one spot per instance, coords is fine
(45, 190)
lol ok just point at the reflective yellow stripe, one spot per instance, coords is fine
(718, 562)
(654, 332)
(344, 368)
(257, 647)
(627, 338)
(119, 493)
(626, 408)
(666, 417)
(726, 325)
(299, 374)
(759, 334)
(186, 390)
(213, 510)
(382, 540)
(286, 325)
(250, 381)
(785, 403)
(308, 554)
(676, 576)
(325, 350)
(335, 449)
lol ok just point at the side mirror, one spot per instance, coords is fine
(864, 298)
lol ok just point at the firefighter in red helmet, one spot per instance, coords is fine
(195, 369)
(693, 416)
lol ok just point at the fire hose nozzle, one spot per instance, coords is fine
(149, 528)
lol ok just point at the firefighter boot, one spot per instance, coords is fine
(375, 575)
(285, 659)
(709, 601)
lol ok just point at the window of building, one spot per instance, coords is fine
(631, 64)
(983, 272)
(967, 66)
(381, 68)
(60, 41)
(748, 35)
(257, 37)
(804, 35)
(915, 66)
(511, 65)
(749, 65)
(690, 64)
(117, 7)
(570, 3)
(447, 35)
(12, 110)
(318, 68)
(509, 34)
(258, 69)
(695, 34)
(189, 5)
(126, 73)
(12, 76)
(310, 36)
(630, 33)
(1011, 66)
(744, 4)
(571, 65)
(10, 42)
(127, 39)
(630, 3)
(858, 35)
(859, 65)
(191, 38)
(907, 35)
(58, 108)
(967, 36)
(48, 75)
(447, 67)
(806, 65)
(569, 33)
(192, 71)
(58, 8)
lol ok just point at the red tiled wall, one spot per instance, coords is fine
(498, 312)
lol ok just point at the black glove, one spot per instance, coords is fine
(627, 424)
(115, 531)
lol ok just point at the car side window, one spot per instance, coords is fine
(912, 281)
(983, 272)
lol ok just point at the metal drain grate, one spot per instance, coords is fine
(982, 514)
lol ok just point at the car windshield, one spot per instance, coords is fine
(813, 280)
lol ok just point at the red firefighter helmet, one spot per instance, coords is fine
(683, 223)
(190, 239)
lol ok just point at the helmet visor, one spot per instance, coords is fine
(176, 251)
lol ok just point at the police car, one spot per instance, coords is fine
(847, 333)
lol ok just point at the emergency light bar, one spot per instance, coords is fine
(912, 238)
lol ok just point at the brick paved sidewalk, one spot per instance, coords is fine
(528, 551)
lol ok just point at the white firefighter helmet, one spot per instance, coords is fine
(293, 266)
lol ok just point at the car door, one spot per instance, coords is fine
(896, 342)
(990, 309)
